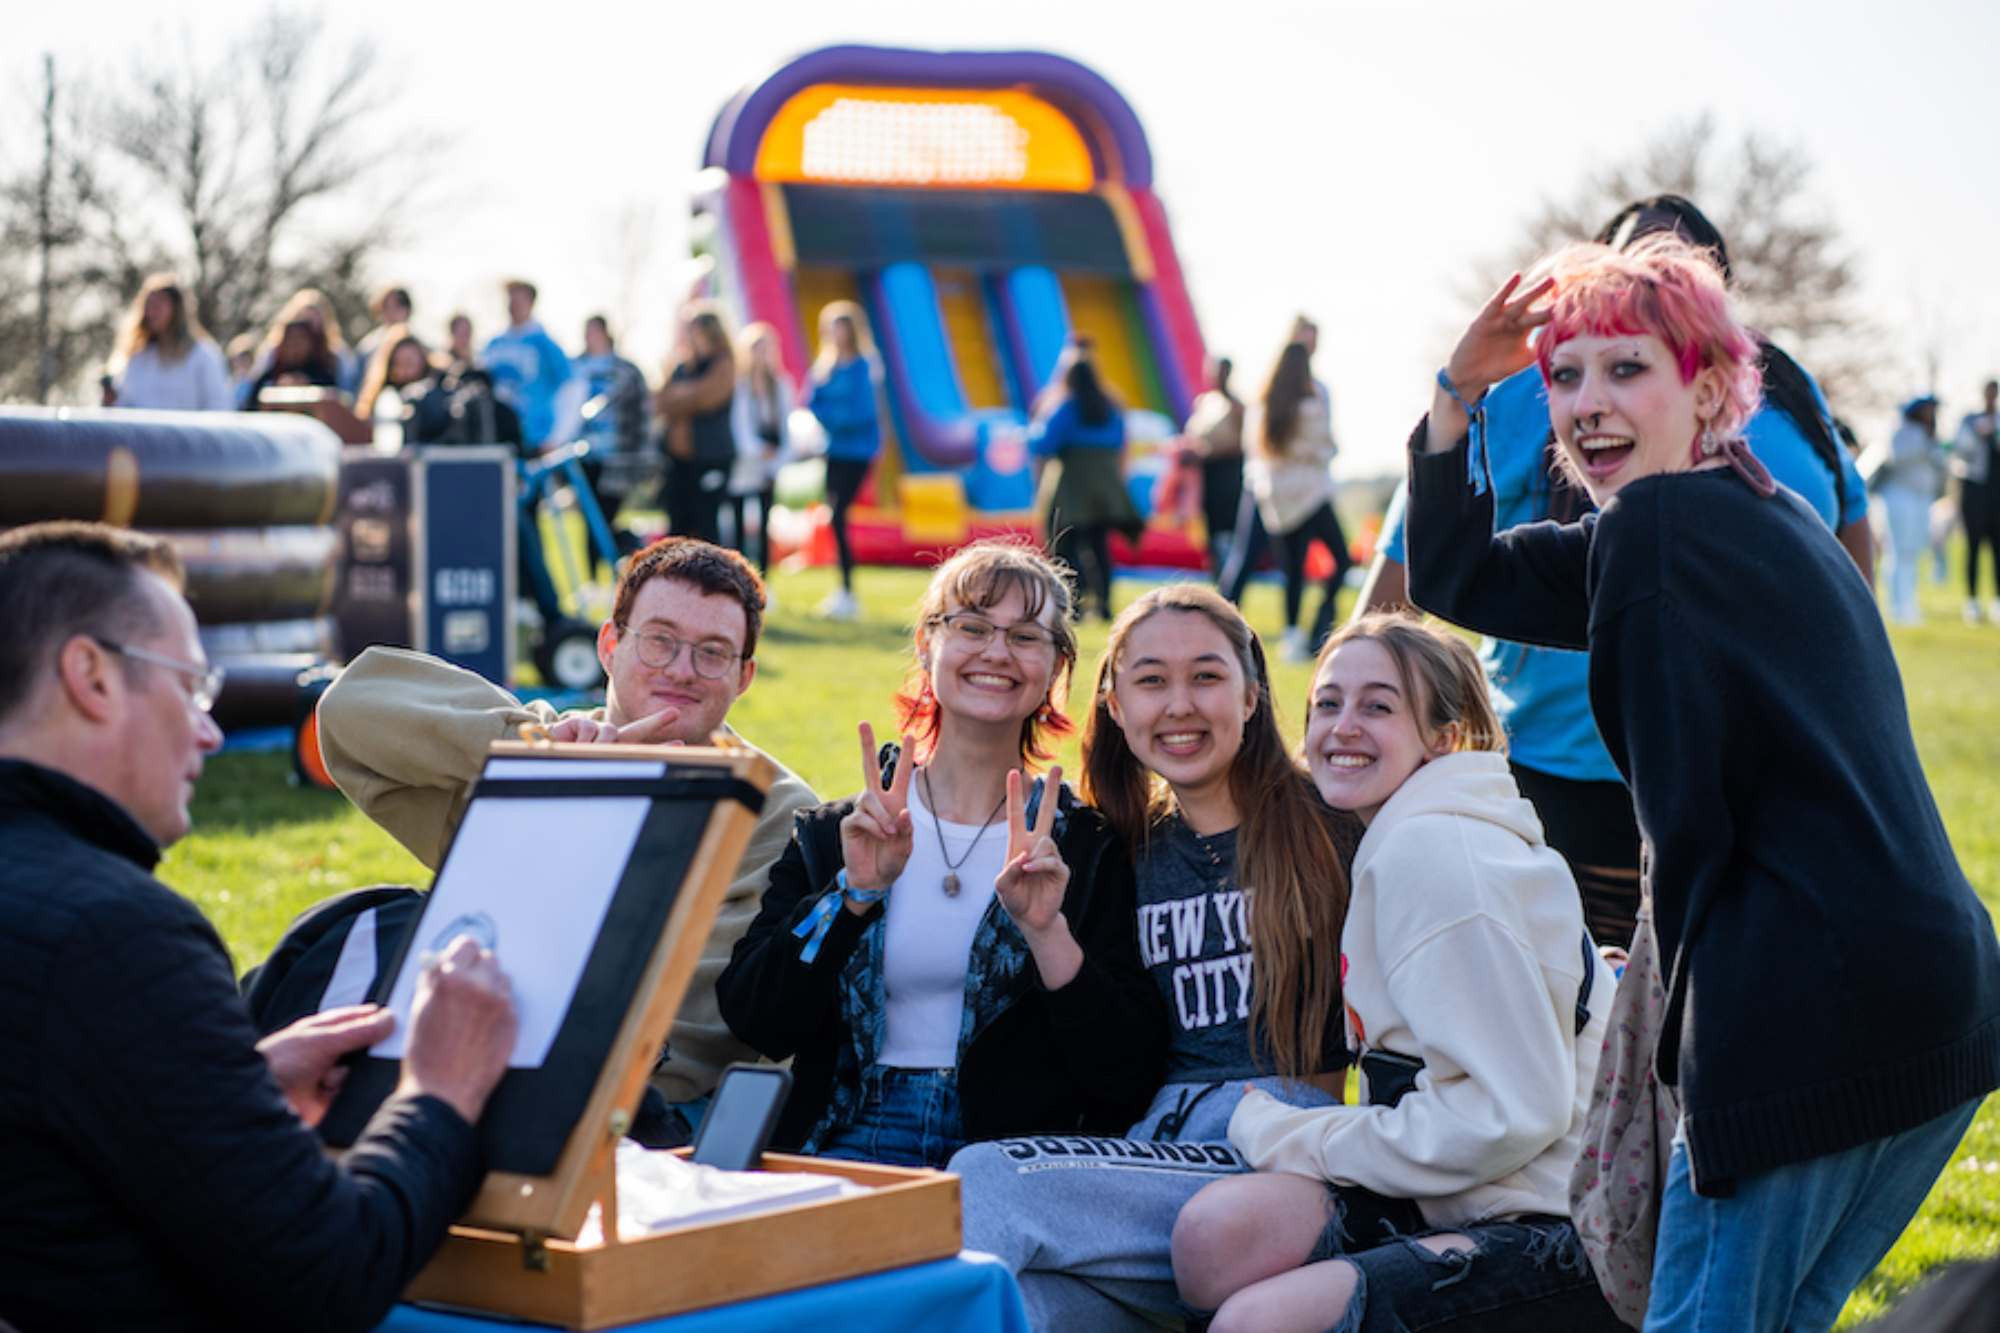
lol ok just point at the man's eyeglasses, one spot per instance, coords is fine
(658, 650)
(1024, 638)
(207, 679)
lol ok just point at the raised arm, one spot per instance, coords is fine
(1526, 584)
(405, 735)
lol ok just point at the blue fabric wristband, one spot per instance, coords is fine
(814, 927)
(1472, 410)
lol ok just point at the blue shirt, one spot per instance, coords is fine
(844, 402)
(1065, 428)
(1542, 694)
(528, 370)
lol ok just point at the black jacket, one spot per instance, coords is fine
(1832, 979)
(1086, 1057)
(151, 1174)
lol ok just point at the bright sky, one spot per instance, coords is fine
(1350, 160)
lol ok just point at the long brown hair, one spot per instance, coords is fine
(182, 333)
(1441, 677)
(295, 307)
(377, 378)
(1290, 384)
(1287, 861)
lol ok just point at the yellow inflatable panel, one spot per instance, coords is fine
(1098, 310)
(963, 306)
(934, 508)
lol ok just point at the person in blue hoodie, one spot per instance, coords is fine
(1553, 746)
(528, 367)
(843, 399)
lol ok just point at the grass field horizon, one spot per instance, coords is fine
(263, 850)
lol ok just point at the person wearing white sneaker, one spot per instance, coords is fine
(1293, 646)
(840, 605)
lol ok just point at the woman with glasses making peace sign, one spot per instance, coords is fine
(949, 956)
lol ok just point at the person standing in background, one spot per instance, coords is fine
(1078, 444)
(694, 406)
(1908, 481)
(1215, 424)
(843, 400)
(760, 415)
(168, 360)
(1251, 538)
(311, 305)
(1977, 471)
(527, 365)
(390, 308)
(1291, 447)
(460, 356)
(604, 405)
(299, 358)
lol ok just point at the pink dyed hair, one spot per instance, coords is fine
(1665, 287)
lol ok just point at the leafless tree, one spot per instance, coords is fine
(271, 165)
(1792, 272)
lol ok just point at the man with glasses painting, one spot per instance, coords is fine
(157, 1166)
(405, 736)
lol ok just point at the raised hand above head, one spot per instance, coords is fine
(1496, 343)
(875, 836)
(1032, 883)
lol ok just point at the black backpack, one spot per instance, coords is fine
(331, 956)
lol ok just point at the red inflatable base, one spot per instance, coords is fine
(879, 541)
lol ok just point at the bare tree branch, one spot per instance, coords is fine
(1793, 276)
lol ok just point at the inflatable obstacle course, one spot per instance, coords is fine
(245, 499)
(983, 208)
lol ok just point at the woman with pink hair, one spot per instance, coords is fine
(1833, 984)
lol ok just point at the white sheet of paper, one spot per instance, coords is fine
(531, 879)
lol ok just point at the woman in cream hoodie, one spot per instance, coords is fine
(1475, 1007)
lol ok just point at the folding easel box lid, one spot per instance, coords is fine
(907, 1217)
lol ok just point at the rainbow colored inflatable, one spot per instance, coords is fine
(982, 207)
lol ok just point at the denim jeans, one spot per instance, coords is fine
(1528, 1274)
(1788, 1247)
(907, 1117)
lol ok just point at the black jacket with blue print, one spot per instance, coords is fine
(1086, 1057)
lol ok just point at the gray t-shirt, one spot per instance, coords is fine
(1194, 935)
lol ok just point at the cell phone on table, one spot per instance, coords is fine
(741, 1116)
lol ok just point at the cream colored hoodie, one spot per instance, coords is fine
(404, 735)
(1463, 946)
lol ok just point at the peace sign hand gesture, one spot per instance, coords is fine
(875, 836)
(1495, 344)
(1032, 883)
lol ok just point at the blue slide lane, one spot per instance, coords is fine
(939, 431)
(1035, 320)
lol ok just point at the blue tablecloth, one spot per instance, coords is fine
(973, 1293)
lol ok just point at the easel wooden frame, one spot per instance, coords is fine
(555, 1205)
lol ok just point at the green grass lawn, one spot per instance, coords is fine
(263, 850)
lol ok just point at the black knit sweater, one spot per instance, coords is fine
(1832, 977)
(151, 1175)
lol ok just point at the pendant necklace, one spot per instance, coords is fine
(950, 866)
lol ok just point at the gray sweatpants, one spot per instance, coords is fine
(1085, 1223)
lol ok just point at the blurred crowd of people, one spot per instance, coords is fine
(705, 442)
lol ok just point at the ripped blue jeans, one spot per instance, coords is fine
(1526, 1274)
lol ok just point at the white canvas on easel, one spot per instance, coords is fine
(530, 880)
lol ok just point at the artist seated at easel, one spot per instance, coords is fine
(951, 955)
(157, 1169)
(405, 735)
